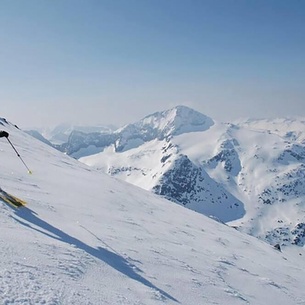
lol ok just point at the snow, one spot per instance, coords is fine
(87, 238)
(289, 128)
(257, 164)
(147, 160)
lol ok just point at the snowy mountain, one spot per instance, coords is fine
(60, 134)
(250, 174)
(36, 134)
(160, 125)
(87, 238)
(292, 129)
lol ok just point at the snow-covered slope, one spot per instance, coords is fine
(292, 129)
(36, 134)
(242, 173)
(87, 238)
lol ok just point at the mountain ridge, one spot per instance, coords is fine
(233, 156)
(249, 165)
(87, 238)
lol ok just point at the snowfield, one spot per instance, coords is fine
(87, 238)
(250, 175)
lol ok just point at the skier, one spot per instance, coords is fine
(3, 134)
(8, 198)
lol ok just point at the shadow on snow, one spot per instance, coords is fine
(112, 258)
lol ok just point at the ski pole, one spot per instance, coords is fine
(29, 171)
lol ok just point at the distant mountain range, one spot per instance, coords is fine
(249, 173)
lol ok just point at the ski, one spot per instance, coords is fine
(12, 200)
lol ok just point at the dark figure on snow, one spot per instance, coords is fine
(3, 134)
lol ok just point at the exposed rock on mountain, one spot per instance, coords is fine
(190, 185)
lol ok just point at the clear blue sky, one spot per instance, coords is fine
(115, 61)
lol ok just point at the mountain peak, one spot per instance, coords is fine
(178, 120)
(161, 125)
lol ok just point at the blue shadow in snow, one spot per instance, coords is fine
(111, 258)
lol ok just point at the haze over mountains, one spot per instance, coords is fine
(249, 174)
(87, 238)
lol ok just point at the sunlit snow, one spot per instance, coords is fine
(87, 238)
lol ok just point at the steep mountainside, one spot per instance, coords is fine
(87, 238)
(39, 136)
(243, 174)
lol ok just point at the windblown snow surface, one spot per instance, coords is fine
(87, 238)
